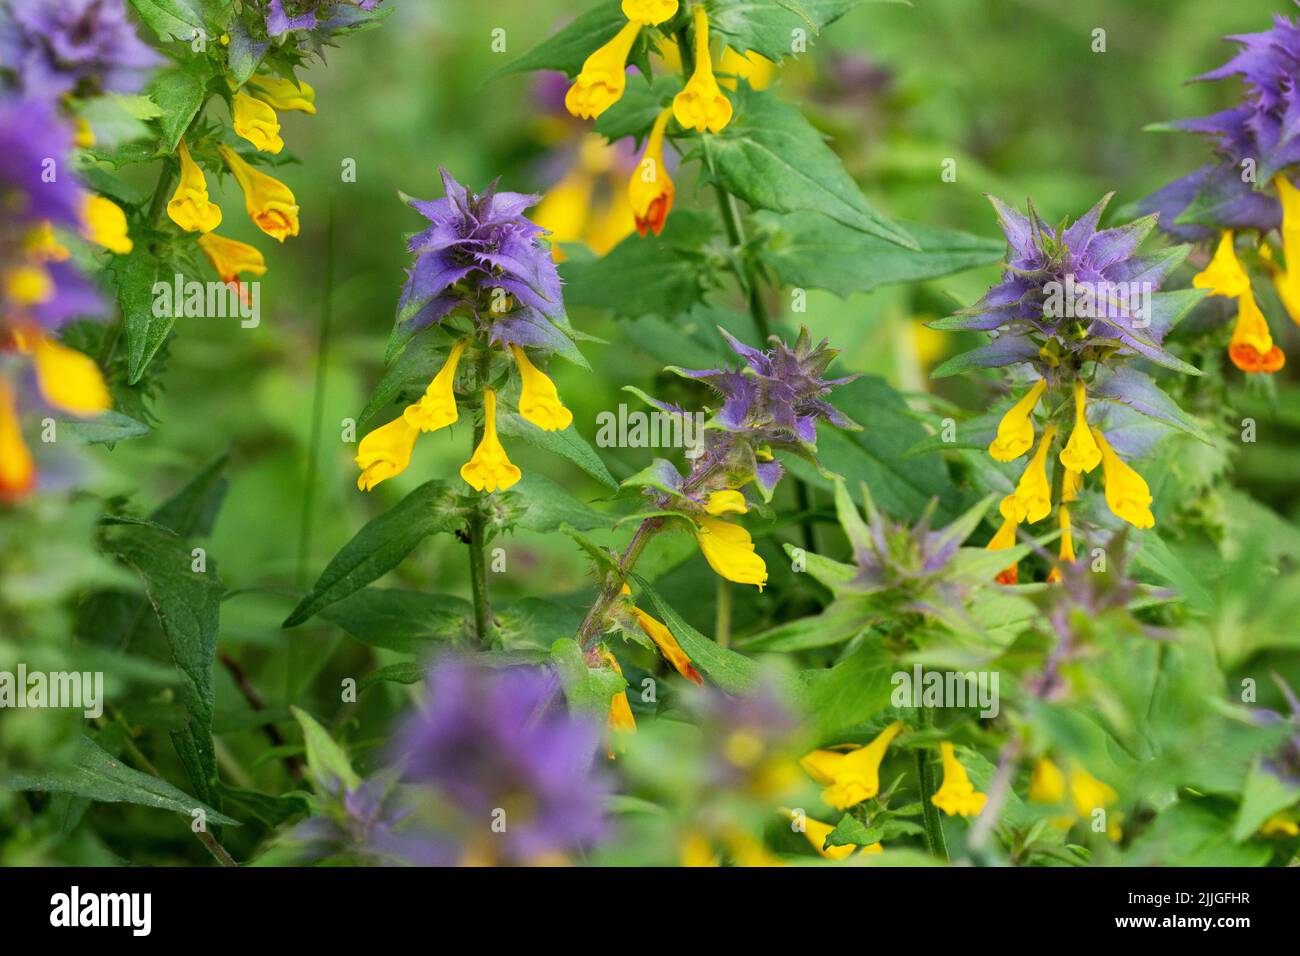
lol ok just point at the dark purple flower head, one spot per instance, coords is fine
(499, 740)
(1071, 290)
(283, 16)
(364, 826)
(73, 46)
(478, 244)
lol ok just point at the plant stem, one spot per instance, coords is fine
(934, 840)
(478, 531)
(588, 630)
(745, 273)
(722, 627)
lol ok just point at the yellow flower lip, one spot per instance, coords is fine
(701, 105)
(603, 78)
(650, 191)
(385, 452)
(1127, 494)
(255, 121)
(1032, 499)
(105, 223)
(1224, 275)
(649, 12)
(726, 501)
(17, 467)
(729, 550)
(850, 778)
(489, 469)
(539, 401)
(69, 380)
(1016, 430)
(1080, 452)
(282, 94)
(269, 202)
(189, 206)
(232, 258)
(437, 406)
(956, 796)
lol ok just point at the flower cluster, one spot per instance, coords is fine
(1255, 148)
(481, 261)
(1075, 303)
(80, 47)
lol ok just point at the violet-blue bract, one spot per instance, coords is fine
(73, 46)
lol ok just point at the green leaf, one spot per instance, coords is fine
(766, 26)
(135, 274)
(1263, 795)
(664, 274)
(856, 689)
(179, 94)
(170, 19)
(809, 250)
(638, 108)
(569, 48)
(104, 429)
(548, 507)
(188, 606)
(98, 776)
(406, 672)
(839, 622)
(732, 672)
(587, 689)
(568, 443)
(772, 158)
(193, 509)
(328, 763)
(851, 831)
(406, 621)
(381, 545)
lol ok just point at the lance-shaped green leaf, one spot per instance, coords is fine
(326, 760)
(408, 621)
(732, 672)
(587, 689)
(772, 27)
(568, 443)
(135, 275)
(569, 48)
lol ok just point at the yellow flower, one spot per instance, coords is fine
(620, 720)
(956, 795)
(1080, 452)
(385, 452)
(850, 778)
(1127, 494)
(563, 211)
(1251, 347)
(754, 68)
(489, 469)
(1032, 499)
(17, 469)
(663, 639)
(1087, 793)
(650, 191)
(282, 94)
(28, 285)
(269, 202)
(1224, 275)
(69, 380)
(649, 12)
(105, 223)
(727, 501)
(1287, 283)
(41, 246)
(1003, 539)
(695, 850)
(256, 122)
(1046, 783)
(730, 551)
(1016, 430)
(437, 406)
(1281, 823)
(189, 206)
(83, 136)
(231, 258)
(604, 76)
(1067, 540)
(816, 832)
(539, 402)
(701, 104)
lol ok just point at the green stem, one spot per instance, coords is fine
(590, 629)
(722, 627)
(934, 840)
(478, 532)
(744, 273)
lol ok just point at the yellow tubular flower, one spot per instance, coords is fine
(1046, 783)
(816, 832)
(385, 452)
(437, 406)
(83, 136)
(1224, 275)
(269, 202)
(1127, 494)
(105, 223)
(1080, 452)
(1067, 542)
(663, 639)
(730, 551)
(754, 68)
(850, 777)
(69, 380)
(604, 76)
(1003, 539)
(1087, 793)
(650, 191)
(649, 13)
(1016, 430)
(489, 469)
(1251, 348)
(28, 285)
(727, 501)
(189, 206)
(1032, 499)
(956, 795)
(701, 104)
(1280, 824)
(282, 94)
(232, 258)
(695, 850)
(620, 720)
(539, 402)
(1287, 283)
(17, 469)
(256, 122)
(563, 211)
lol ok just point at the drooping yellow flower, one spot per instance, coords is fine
(1032, 499)
(701, 105)
(1016, 430)
(1224, 275)
(539, 402)
(752, 67)
(269, 202)
(650, 191)
(649, 12)
(604, 76)
(41, 245)
(956, 795)
(850, 778)
(437, 406)
(282, 94)
(726, 501)
(1004, 538)
(563, 211)
(385, 452)
(1287, 282)
(1066, 555)
(17, 469)
(1087, 793)
(1251, 348)
(256, 122)
(1127, 494)
(489, 469)
(816, 832)
(28, 284)
(663, 639)
(1080, 452)
(189, 206)
(620, 720)
(69, 380)
(1282, 823)
(232, 258)
(730, 551)
(1046, 782)
(105, 223)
